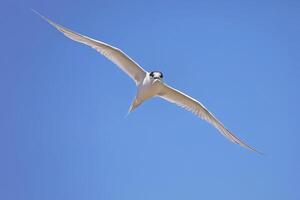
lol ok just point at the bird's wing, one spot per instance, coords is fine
(124, 62)
(174, 96)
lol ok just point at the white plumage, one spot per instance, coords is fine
(149, 84)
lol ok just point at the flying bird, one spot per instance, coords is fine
(149, 84)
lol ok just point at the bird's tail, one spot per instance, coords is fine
(135, 103)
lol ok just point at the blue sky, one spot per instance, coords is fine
(63, 131)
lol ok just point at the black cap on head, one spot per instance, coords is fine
(156, 74)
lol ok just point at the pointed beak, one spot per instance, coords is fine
(156, 80)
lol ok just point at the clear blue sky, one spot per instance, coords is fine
(63, 131)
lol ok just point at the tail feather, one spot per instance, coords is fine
(135, 103)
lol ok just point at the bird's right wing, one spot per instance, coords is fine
(124, 62)
(174, 96)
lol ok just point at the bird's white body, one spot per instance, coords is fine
(149, 84)
(146, 89)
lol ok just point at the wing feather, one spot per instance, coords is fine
(174, 96)
(118, 57)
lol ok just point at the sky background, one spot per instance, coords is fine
(63, 131)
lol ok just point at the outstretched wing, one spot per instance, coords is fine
(174, 96)
(124, 62)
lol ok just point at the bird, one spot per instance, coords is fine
(149, 84)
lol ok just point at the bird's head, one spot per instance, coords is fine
(156, 75)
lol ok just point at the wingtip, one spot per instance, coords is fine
(246, 146)
(36, 12)
(255, 150)
(44, 18)
(258, 152)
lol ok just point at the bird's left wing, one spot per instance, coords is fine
(124, 62)
(174, 96)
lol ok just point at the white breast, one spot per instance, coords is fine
(148, 88)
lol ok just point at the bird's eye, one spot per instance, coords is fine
(151, 74)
